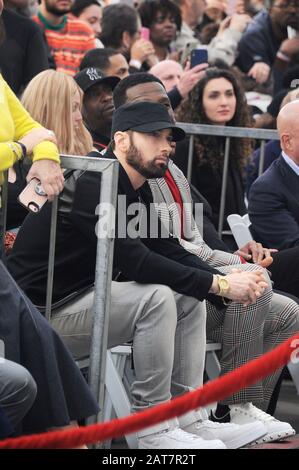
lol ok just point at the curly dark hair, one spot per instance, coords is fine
(208, 148)
(148, 11)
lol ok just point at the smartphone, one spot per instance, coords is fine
(33, 196)
(198, 56)
(145, 33)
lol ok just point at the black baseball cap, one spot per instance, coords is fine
(90, 76)
(145, 116)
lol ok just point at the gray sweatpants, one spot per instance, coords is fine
(17, 390)
(167, 331)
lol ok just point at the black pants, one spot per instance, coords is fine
(63, 395)
(285, 275)
(285, 271)
(1, 227)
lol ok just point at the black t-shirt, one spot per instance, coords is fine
(16, 213)
(23, 53)
(100, 142)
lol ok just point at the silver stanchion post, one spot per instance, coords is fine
(224, 185)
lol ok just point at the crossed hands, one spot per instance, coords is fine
(244, 286)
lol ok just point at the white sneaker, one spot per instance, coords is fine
(247, 413)
(170, 436)
(233, 435)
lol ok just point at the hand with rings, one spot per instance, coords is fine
(246, 286)
(52, 137)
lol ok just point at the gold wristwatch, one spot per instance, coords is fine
(223, 285)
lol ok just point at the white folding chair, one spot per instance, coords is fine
(240, 228)
(212, 365)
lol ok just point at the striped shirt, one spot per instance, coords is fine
(69, 43)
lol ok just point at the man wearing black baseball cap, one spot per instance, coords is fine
(142, 133)
(97, 103)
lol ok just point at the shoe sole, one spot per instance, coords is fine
(249, 437)
(275, 436)
(217, 447)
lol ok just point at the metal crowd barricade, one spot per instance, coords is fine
(228, 132)
(104, 261)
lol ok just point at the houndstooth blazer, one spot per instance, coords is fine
(169, 213)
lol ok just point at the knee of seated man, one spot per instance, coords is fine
(285, 309)
(163, 297)
(29, 386)
(25, 388)
(163, 294)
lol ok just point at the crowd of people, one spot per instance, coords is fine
(85, 78)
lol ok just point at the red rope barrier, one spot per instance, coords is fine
(213, 391)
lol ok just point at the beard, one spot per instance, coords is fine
(147, 170)
(56, 11)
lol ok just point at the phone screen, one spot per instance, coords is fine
(145, 33)
(198, 56)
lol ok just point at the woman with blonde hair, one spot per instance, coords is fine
(55, 100)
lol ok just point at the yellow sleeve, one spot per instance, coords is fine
(24, 124)
(46, 150)
(10, 153)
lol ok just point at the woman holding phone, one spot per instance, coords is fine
(54, 100)
(20, 135)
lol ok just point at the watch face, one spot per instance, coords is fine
(224, 284)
